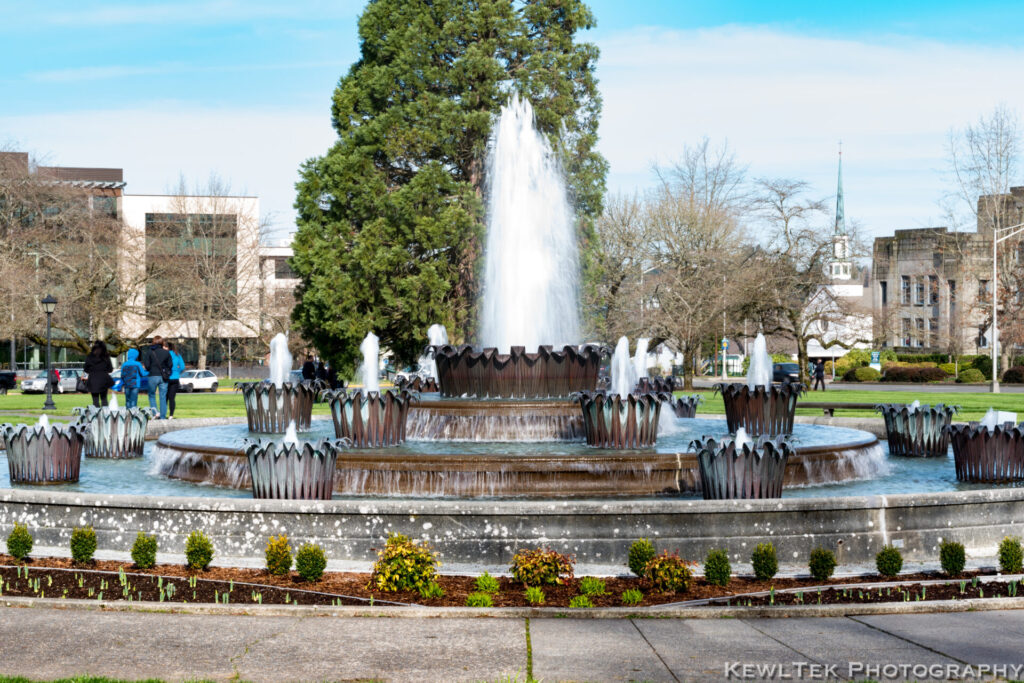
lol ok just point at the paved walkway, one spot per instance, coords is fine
(51, 643)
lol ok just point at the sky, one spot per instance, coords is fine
(241, 89)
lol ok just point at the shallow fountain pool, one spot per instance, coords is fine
(879, 474)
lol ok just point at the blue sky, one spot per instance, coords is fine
(242, 89)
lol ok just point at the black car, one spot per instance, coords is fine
(7, 381)
(785, 372)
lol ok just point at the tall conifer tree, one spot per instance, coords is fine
(391, 217)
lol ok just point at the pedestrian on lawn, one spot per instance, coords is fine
(97, 370)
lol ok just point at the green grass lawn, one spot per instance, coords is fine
(972, 405)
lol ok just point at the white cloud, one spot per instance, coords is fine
(257, 151)
(783, 101)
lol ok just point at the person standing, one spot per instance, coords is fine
(177, 367)
(133, 378)
(158, 365)
(819, 374)
(309, 369)
(97, 370)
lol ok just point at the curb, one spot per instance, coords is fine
(780, 612)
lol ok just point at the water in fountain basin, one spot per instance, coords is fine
(640, 359)
(623, 374)
(280, 360)
(531, 266)
(371, 363)
(759, 374)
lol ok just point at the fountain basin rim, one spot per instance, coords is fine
(533, 506)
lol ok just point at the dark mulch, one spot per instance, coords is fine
(350, 588)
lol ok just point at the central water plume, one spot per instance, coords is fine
(437, 336)
(759, 374)
(531, 268)
(371, 364)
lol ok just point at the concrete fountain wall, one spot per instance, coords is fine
(487, 533)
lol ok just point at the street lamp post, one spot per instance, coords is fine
(49, 305)
(1011, 231)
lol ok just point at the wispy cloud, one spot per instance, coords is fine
(201, 12)
(94, 73)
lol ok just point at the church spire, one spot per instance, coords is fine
(840, 211)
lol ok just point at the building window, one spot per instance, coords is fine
(952, 291)
(919, 341)
(933, 332)
(905, 289)
(106, 206)
(885, 292)
(919, 291)
(282, 271)
(982, 288)
(933, 290)
(905, 341)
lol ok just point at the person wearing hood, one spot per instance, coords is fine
(133, 378)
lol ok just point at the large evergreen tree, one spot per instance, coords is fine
(390, 219)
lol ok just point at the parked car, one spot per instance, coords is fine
(198, 380)
(785, 372)
(68, 381)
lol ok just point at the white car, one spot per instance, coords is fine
(198, 380)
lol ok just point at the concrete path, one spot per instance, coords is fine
(51, 643)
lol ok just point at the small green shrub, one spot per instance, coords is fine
(717, 570)
(631, 597)
(534, 595)
(432, 590)
(144, 551)
(640, 553)
(198, 550)
(1014, 375)
(479, 599)
(310, 562)
(952, 557)
(1011, 555)
(19, 542)
(485, 583)
(914, 373)
(971, 376)
(279, 555)
(668, 573)
(864, 374)
(983, 364)
(948, 368)
(822, 564)
(889, 561)
(764, 561)
(590, 585)
(540, 567)
(580, 602)
(83, 544)
(404, 565)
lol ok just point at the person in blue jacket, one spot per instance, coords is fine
(177, 367)
(133, 378)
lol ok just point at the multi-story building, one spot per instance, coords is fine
(931, 287)
(277, 290)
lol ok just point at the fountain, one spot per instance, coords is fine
(917, 431)
(531, 278)
(686, 406)
(741, 467)
(292, 470)
(990, 451)
(760, 407)
(620, 419)
(43, 453)
(369, 418)
(112, 431)
(270, 406)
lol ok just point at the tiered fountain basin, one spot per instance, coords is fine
(519, 469)
(485, 373)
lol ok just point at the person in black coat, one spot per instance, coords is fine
(309, 369)
(819, 375)
(97, 370)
